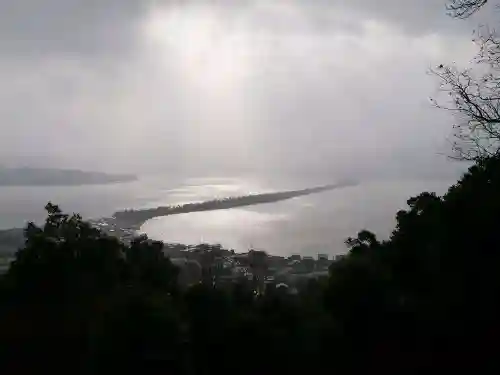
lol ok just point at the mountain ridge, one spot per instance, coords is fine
(29, 176)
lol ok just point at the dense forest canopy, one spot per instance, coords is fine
(428, 297)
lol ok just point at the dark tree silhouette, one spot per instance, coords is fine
(425, 299)
(68, 280)
(429, 296)
(473, 94)
(464, 8)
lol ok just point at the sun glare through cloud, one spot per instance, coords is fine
(211, 55)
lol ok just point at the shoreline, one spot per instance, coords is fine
(126, 224)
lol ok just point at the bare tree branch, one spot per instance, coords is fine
(464, 8)
(474, 97)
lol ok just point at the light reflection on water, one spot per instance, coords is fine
(312, 224)
(235, 228)
(317, 223)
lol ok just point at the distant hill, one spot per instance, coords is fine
(57, 177)
(10, 241)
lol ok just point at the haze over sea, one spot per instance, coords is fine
(308, 225)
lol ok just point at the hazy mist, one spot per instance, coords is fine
(220, 87)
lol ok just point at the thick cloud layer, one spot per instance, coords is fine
(225, 86)
(31, 27)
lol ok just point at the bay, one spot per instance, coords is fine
(307, 225)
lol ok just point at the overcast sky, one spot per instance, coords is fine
(222, 86)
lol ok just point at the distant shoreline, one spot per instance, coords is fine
(125, 224)
(11, 177)
(135, 218)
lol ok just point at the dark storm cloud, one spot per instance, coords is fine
(34, 27)
(273, 84)
(95, 26)
(412, 16)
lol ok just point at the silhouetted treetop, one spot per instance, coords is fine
(464, 8)
(473, 94)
